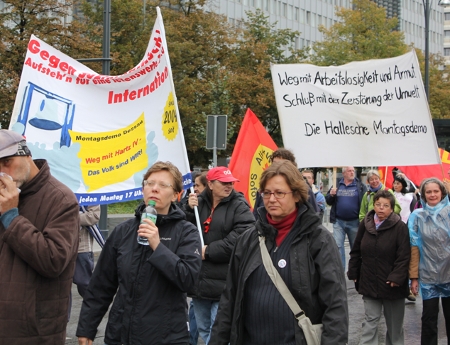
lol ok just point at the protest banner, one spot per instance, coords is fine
(355, 114)
(251, 155)
(100, 133)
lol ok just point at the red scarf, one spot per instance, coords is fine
(283, 226)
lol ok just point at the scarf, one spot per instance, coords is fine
(374, 190)
(283, 226)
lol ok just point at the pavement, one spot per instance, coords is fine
(412, 321)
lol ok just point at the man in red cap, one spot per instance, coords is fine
(224, 215)
(38, 246)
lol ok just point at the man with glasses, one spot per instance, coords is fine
(345, 201)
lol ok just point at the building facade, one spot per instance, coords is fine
(447, 34)
(305, 16)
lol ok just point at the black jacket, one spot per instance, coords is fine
(379, 256)
(149, 286)
(333, 199)
(318, 282)
(231, 217)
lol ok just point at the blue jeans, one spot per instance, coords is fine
(205, 313)
(340, 229)
(193, 331)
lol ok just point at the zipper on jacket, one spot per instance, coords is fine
(141, 261)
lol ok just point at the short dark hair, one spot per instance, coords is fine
(292, 177)
(169, 167)
(386, 194)
(283, 154)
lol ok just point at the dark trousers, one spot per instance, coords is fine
(430, 315)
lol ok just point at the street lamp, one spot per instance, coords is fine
(426, 5)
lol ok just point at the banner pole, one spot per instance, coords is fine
(159, 18)
(334, 177)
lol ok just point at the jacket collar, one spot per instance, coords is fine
(389, 222)
(306, 217)
(175, 213)
(232, 195)
(39, 181)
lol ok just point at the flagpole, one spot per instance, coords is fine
(186, 160)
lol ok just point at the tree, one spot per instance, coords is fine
(250, 84)
(439, 91)
(46, 19)
(363, 33)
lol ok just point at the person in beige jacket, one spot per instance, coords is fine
(85, 257)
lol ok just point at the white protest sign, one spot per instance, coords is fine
(100, 133)
(366, 113)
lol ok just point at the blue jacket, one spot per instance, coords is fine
(332, 199)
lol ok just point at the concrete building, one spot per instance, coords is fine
(446, 52)
(305, 16)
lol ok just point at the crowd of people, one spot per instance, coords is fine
(271, 275)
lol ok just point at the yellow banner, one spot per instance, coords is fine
(111, 157)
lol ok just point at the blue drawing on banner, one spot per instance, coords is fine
(45, 111)
(152, 154)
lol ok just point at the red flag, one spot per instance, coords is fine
(419, 172)
(251, 156)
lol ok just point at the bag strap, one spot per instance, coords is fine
(311, 335)
(279, 282)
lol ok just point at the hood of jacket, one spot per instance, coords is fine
(233, 195)
(175, 213)
(433, 211)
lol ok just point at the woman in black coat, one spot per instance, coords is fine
(378, 265)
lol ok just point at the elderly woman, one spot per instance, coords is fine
(429, 229)
(224, 215)
(373, 177)
(147, 283)
(378, 265)
(304, 253)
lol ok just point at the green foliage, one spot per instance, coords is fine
(363, 33)
(258, 45)
(439, 90)
(127, 207)
(45, 19)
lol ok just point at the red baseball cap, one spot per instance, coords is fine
(222, 174)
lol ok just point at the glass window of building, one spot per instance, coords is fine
(447, 16)
(308, 17)
(297, 14)
(302, 16)
(446, 51)
(284, 10)
(447, 33)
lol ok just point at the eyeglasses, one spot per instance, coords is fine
(161, 185)
(277, 194)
